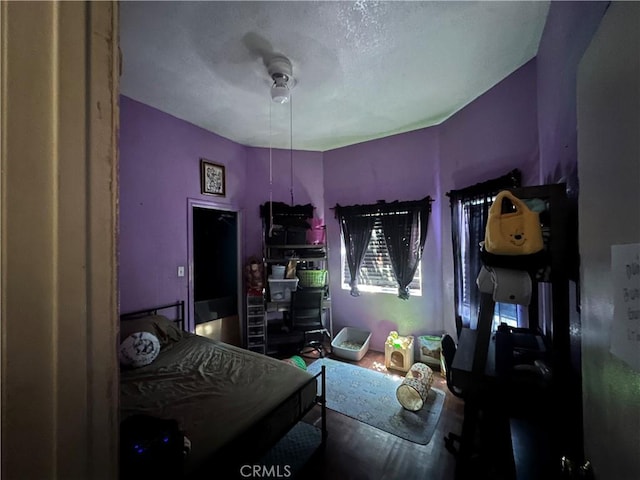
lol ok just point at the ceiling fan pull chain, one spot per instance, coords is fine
(291, 144)
(270, 233)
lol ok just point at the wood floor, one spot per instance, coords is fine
(357, 451)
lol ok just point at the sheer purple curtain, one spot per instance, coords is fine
(405, 232)
(355, 226)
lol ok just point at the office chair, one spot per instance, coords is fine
(305, 316)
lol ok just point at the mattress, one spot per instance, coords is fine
(219, 394)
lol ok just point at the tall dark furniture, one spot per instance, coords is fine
(551, 322)
(285, 230)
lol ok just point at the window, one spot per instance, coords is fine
(376, 272)
(469, 214)
(397, 246)
(507, 313)
(504, 312)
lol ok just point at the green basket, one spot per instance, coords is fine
(312, 278)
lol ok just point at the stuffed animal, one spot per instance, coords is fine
(254, 276)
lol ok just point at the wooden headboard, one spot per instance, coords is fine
(178, 316)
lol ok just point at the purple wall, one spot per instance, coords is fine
(569, 29)
(488, 138)
(307, 187)
(567, 33)
(160, 170)
(159, 176)
(476, 143)
(400, 167)
(492, 135)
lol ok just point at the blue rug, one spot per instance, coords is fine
(370, 397)
(293, 451)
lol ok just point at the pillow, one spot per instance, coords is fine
(139, 349)
(164, 329)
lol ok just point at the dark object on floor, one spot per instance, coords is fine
(150, 447)
(448, 346)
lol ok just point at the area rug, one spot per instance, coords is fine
(292, 452)
(370, 397)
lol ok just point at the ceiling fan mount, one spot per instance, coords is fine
(280, 71)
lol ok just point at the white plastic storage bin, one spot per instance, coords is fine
(351, 343)
(280, 288)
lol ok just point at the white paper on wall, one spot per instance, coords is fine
(625, 328)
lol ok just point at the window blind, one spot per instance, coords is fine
(376, 272)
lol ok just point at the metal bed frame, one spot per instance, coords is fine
(240, 443)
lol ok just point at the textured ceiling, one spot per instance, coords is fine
(363, 70)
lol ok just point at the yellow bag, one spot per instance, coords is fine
(513, 233)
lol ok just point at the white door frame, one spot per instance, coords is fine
(199, 203)
(58, 203)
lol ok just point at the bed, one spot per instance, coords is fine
(224, 398)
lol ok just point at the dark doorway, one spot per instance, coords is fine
(215, 264)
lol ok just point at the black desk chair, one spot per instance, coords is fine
(305, 316)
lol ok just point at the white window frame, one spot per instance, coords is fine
(415, 287)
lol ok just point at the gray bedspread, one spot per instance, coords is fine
(216, 392)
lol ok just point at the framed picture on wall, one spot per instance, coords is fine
(212, 178)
